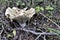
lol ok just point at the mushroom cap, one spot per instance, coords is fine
(21, 15)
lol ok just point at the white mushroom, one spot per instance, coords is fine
(19, 14)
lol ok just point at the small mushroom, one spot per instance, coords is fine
(21, 15)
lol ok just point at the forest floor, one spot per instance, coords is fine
(40, 27)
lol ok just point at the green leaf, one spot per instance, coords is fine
(49, 15)
(54, 30)
(23, 4)
(38, 0)
(14, 32)
(37, 9)
(49, 7)
(41, 8)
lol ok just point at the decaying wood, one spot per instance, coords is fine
(19, 14)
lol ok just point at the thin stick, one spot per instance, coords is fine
(0, 36)
(33, 32)
(44, 37)
(50, 20)
(38, 37)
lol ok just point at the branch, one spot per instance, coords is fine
(50, 20)
(38, 37)
(36, 33)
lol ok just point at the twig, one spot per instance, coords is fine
(44, 37)
(0, 36)
(50, 20)
(20, 37)
(1, 32)
(36, 33)
(38, 37)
